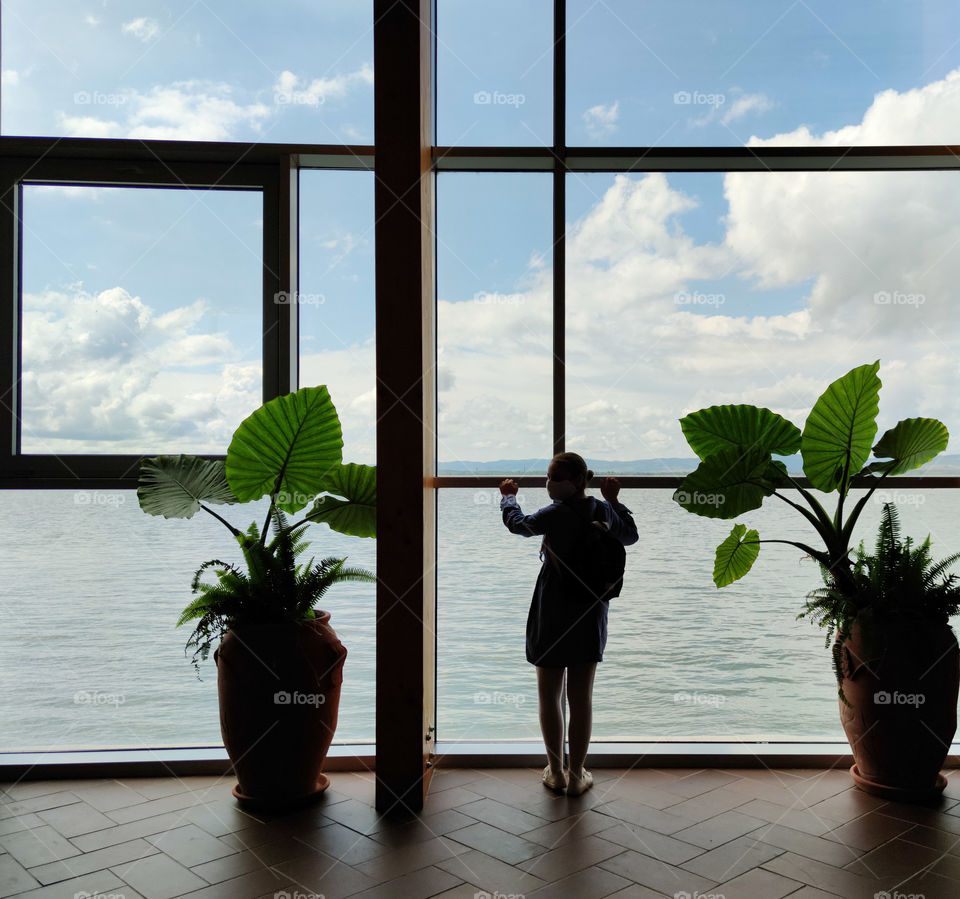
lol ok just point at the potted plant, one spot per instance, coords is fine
(736, 445)
(899, 654)
(279, 662)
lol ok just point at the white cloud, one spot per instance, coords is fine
(90, 19)
(291, 89)
(143, 29)
(105, 371)
(184, 110)
(744, 105)
(9, 77)
(601, 121)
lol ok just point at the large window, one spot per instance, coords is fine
(641, 209)
(699, 271)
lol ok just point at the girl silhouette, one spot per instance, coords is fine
(565, 634)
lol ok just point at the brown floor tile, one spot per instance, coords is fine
(38, 846)
(758, 884)
(591, 883)
(823, 876)
(14, 878)
(90, 862)
(506, 846)
(732, 859)
(657, 875)
(798, 818)
(158, 877)
(247, 886)
(190, 845)
(868, 831)
(570, 858)
(649, 842)
(646, 816)
(490, 874)
(397, 862)
(415, 885)
(719, 829)
(499, 814)
(575, 827)
(896, 858)
(75, 819)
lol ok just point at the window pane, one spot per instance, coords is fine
(337, 300)
(245, 71)
(89, 652)
(494, 73)
(754, 288)
(337, 346)
(735, 73)
(141, 318)
(494, 321)
(683, 659)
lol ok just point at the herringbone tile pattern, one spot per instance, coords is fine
(639, 834)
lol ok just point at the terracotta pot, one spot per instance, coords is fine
(279, 689)
(903, 693)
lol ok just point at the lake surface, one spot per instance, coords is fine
(91, 588)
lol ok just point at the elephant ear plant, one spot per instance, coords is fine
(736, 445)
(290, 450)
(737, 471)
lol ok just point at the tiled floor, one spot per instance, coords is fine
(646, 833)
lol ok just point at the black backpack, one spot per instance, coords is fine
(594, 567)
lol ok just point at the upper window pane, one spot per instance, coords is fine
(494, 321)
(494, 73)
(245, 71)
(733, 73)
(142, 318)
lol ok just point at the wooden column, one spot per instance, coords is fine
(406, 417)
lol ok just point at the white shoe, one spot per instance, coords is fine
(555, 782)
(577, 785)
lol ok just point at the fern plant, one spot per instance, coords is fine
(289, 449)
(899, 580)
(273, 588)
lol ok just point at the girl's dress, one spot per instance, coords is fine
(562, 630)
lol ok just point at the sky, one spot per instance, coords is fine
(683, 290)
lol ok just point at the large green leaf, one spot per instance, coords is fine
(174, 486)
(356, 514)
(736, 555)
(728, 483)
(716, 427)
(909, 444)
(290, 443)
(839, 431)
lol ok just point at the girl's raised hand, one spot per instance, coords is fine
(610, 488)
(508, 485)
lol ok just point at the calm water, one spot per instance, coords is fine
(92, 587)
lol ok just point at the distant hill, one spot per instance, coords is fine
(942, 466)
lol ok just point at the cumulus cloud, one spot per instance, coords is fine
(184, 110)
(104, 371)
(744, 105)
(143, 29)
(601, 121)
(292, 89)
(200, 109)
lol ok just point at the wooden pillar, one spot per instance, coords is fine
(406, 416)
